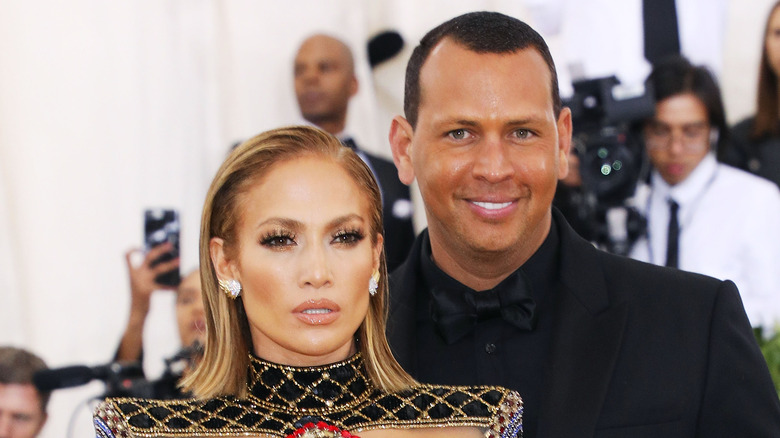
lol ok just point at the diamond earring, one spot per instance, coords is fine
(373, 283)
(232, 288)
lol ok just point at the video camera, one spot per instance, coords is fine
(122, 379)
(606, 140)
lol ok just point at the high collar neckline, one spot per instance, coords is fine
(312, 390)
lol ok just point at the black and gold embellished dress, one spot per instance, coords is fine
(335, 400)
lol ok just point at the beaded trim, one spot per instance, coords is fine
(285, 399)
(311, 390)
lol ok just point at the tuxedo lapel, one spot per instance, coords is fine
(585, 343)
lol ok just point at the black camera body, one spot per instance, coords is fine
(606, 139)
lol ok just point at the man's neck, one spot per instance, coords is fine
(481, 270)
(331, 126)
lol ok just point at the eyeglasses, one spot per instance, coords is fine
(693, 137)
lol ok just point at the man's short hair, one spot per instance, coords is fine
(479, 32)
(675, 75)
(17, 366)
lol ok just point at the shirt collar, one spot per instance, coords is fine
(687, 190)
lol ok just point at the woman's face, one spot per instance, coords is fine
(304, 259)
(190, 314)
(772, 41)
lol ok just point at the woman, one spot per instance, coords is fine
(756, 140)
(294, 284)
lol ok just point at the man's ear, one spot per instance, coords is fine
(564, 142)
(224, 268)
(354, 86)
(400, 136)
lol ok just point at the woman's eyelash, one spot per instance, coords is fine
(349, 236)
(277, 238)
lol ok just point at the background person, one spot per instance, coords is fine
(755, 142)
(325, 81)
(22, 406)
(295, 289)
(190, 322)
(500, 290)
(142, 286)
(703, 216)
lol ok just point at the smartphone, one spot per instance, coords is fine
(161, 225)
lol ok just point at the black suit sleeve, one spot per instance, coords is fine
(739, 397)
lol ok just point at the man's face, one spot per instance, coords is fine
(487, 151)
(324, 79)
(20, 411)
(678, 138)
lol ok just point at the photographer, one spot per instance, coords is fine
(703, 216)
(189, 317)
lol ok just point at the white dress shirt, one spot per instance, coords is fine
(729, 229)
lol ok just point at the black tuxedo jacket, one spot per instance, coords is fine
(396, 209)
(637, 350)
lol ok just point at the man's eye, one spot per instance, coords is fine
(458, 134)
(523, 133)
(658, 131)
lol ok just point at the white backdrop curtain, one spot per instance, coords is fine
(107, 108)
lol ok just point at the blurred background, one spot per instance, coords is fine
(109, 108)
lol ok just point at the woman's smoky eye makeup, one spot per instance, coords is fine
(277, 238)
(280, 238)
(349, 236)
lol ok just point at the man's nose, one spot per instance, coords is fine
(491, 162)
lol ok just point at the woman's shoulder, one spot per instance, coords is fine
(497, 410)
(134, 417)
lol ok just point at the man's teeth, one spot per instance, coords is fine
(316, 311)
(492, 205)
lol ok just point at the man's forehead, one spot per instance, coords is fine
(19, 397)
(449, 50)
(322, 48)
(523, 72)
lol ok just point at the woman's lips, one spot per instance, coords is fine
(199, 326)
(317, 312)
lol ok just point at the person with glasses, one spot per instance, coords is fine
(704, 216)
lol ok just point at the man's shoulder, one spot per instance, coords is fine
(629, 280)
(746, 182)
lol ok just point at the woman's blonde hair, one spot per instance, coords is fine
(223, 369)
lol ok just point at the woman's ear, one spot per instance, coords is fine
(224, 268)
(377, 253)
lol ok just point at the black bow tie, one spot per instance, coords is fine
(456, 312)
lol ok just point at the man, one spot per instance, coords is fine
(324, 83)
(22, 407)
(703, 216)
(500, 290)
